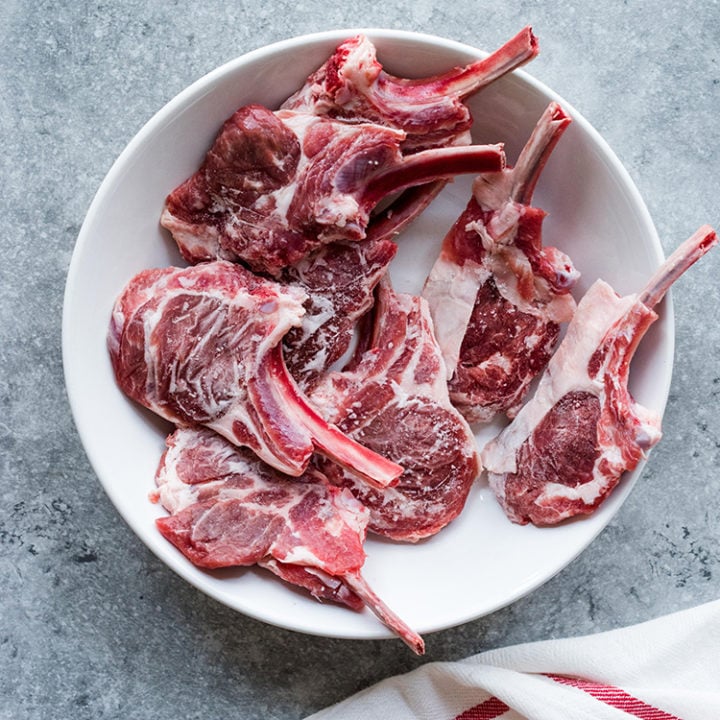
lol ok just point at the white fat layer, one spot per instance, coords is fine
(301, 555)
(283, 196)
(587, 492)
(197, 241)
(649, 432)
(323, 310)
(450, 292)
(360, 69)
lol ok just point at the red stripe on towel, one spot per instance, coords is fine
(616, 698)
(488, 710)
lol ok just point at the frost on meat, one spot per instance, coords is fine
(227, 508)
(201, 346)
(277, 185)
(496, 295)
(394, 400)
(568, 446)
(352, 85)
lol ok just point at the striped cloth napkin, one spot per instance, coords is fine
(664, 669)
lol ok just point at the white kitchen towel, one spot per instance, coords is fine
(663, 669)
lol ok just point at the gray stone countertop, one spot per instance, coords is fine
(92, 625)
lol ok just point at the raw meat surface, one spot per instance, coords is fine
(394, 399)
(340, 279)
(201, 346)
(227, 508)
(352, 85)
(318, 583)
(569, 445)
(277, 185)
(496, 295)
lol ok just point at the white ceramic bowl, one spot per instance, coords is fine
(482, 561)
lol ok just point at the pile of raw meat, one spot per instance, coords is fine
(312, 402)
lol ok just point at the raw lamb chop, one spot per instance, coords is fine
(353, 86)
(568, 446)
(393, 398)
(277, 185)
(202, 346)
(227, 508)
(340, 279)
(496, 295)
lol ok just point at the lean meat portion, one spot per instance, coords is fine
(353, 86)
(568, 446)
(202, 346)
(496, 295)
(277, 185)
(228, 508)
(393, 398)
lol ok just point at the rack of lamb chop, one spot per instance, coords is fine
(496, 295)
(568, 446)
(277, 185)
(202, 346)
(228, 508)
(393, 398)
(353, 86)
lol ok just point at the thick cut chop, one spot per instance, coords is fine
(353, 86)
(228, 508)
(569, 445)
(496, 295)
(202, 346)
(393, 398)
(275, 186)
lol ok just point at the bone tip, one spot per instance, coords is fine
(709, 235)
(532, 40)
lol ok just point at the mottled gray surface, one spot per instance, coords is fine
(91, 624)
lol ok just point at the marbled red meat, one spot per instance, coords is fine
(567, 448)
(496, 295)
(353, 86)
(227, 508)
(202, 346)
(393, 398)
(340, 279)
(277, 185)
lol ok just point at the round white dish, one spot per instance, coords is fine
(481, 562)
